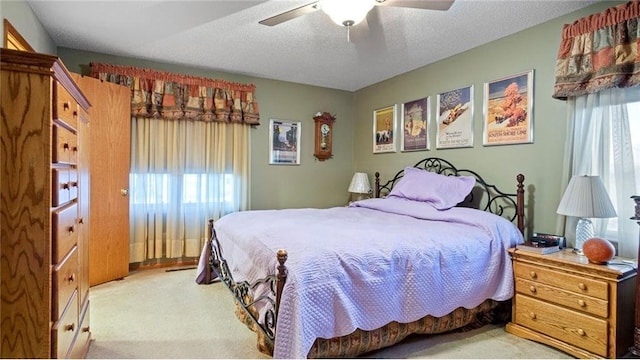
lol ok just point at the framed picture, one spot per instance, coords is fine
(384, 127)
(508, 110)
(416, 116)
(455, 118)
(284, 142)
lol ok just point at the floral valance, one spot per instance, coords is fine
(599, 52)
(166, 95)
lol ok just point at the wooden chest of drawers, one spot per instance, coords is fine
(564, 301)
(44, 192)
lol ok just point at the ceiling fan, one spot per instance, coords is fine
(350, 12)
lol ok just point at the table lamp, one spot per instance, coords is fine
(585, 198)
(359, 186)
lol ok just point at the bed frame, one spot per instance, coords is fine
(484, 196)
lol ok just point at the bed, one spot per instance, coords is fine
(428, 254)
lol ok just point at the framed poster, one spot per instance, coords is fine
(384, 125)
(508, 110)
(416, 116)
(455, 118)
(284, 142)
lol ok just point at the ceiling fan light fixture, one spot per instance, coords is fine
(347, 13)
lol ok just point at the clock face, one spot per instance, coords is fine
(324, 129)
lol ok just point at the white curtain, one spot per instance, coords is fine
(183, 172)
(600, 142)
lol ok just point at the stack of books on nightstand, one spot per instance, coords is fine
(543, 244)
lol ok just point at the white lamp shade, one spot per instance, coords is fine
(586, 197)
(360, 184)
(347, 13)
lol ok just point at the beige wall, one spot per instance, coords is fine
(323, 184)
(540, 162)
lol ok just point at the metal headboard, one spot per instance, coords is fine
(484, 196)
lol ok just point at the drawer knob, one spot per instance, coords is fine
(581, 303)
(81, 220)
(532, 316)
(70, 327)
(75, 114)
(71, 229)
(581, 332)
(85, 329)
(533, 274)
(74, 184)
(66, 105)
(65, 146)
(532, 289)
(582, 286)
(72, 278)
(65, 186)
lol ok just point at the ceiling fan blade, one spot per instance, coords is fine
(291, 14)
(418, 4)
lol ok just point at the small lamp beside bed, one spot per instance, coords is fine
(585, 198)
(359, 188)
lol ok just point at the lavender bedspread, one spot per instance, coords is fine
(363, 266)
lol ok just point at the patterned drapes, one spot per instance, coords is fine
(158, 94)
(599, 52)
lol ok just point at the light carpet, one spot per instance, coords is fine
(164, 314)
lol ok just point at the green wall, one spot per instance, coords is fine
(541, 162)
(313, 183)
(323, 184)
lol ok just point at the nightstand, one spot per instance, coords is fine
(583, 309)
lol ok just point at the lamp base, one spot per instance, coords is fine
(359, 196)
(584, 232)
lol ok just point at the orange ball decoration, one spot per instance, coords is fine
(598, 251)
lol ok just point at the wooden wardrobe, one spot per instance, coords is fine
(64, 175)
(44, 178)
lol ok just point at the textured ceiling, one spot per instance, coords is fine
(226, 36)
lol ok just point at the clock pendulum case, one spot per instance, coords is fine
(323, 135)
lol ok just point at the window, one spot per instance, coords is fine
(603, 136)
(200, 189)
(195, 188)
(633, 110)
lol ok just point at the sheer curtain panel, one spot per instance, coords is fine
(600, 142)
(189, 157)
(598, 73)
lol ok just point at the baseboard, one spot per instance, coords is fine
(163, 263)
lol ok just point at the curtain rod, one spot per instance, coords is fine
(151, 74)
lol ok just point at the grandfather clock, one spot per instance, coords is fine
(635, 349)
